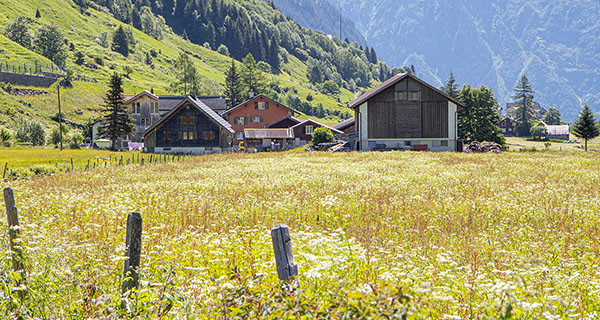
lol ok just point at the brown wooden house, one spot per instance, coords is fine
(405, 112)
(255, 113)
(190, 127)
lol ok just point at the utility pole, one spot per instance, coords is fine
(60, 130)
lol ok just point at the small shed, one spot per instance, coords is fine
(269, 139)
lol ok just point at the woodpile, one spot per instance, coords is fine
(483, 147)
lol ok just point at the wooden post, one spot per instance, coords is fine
(150, 158)
(88, 165)
(72, 164)
(133, 243)
(284, 258)
(5, 167)
(142, 161)
(14, 232)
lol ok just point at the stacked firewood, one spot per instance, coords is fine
(483, 147)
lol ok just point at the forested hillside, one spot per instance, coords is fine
(307, 70)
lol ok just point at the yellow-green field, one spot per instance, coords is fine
(519, 143)
(375, 235)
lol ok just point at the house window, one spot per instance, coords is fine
(239, 120)
(261, 105)
(209, 135)
(136, 107)
(414, 96)
(145, 122)
(444, 143)
(309, 130)
(256, 119)
(239, 136)
(187, 135)
(407, 143)
(188, 120)
(153, 107)
(167, 135)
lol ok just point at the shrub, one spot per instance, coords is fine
(31, 131)
(322, 135)
(223, 50)
(5, 137)
(75, 141)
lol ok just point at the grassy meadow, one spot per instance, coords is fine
(375, 235)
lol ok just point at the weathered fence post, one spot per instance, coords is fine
(88, 165)
(14, 232)
(5, 167)
(284, 257)
(72, 167)
(133, 243)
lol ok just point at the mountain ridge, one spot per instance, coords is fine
(554, 44)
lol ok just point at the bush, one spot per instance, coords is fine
(76, 140)
(223, 50)
(31, 131)
(5, 137)
(322, 135)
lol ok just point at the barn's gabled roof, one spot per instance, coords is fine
(392, 81)
(334, 130)
(243, 104)
(210, 113)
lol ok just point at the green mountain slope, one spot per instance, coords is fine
(83, 28)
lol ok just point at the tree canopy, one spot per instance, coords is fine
(50, 43)
(524, 106)
(478, 119)
(552, 117)
(586, 126)
(116, 122)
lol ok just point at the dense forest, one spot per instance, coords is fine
(257, 27)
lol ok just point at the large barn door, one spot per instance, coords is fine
(408, 120)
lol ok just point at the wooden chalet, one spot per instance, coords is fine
(507, 127)
(406, 113)
(146, 108)
(190, 127)
(256, 113)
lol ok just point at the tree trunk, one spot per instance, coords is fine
(586, 145)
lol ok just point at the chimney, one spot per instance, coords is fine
(251, 94)
(152, 90)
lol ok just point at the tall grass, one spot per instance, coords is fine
(426, 235)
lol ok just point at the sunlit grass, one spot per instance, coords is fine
(462, 236)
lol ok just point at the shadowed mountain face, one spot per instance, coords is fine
(321, 15)
(556, 44)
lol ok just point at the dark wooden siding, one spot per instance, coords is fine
(391, 118)
(174, 126)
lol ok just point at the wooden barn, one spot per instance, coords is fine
(405, 113)
(190, 127)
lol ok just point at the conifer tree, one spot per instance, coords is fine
(524, 105)
(586, 126)
(233, 86)
(451, 88)
(273, 54)
(120, 43)
(253, 79)
(116, 121)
